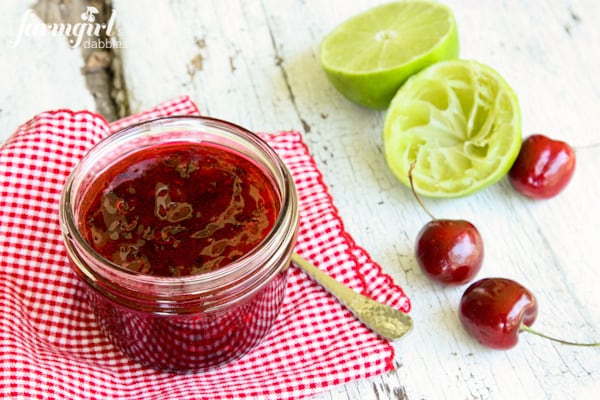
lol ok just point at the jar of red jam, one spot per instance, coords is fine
(182, 229)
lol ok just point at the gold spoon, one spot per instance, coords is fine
(386, 321)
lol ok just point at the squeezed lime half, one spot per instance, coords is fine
(369, 56)
(459, 121)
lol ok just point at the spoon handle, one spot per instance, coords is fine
(386, 321)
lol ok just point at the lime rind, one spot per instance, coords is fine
(369, 56)
(459, 122)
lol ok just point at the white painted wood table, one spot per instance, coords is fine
(255, 63)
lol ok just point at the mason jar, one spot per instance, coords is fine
(181, 318)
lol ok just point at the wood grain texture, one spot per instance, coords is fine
(256, 63)
(37, 73)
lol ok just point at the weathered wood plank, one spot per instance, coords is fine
(256, 63)
(37, 72)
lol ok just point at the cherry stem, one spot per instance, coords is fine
(526, 328)
(412, 187)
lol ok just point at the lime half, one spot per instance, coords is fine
(369, 56)
(459, 122)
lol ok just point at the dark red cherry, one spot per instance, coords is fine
(493, 311)
(543, 168)
(449, 251)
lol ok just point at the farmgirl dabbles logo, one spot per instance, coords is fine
(97, 35)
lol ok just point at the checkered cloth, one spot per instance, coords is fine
(50, 344)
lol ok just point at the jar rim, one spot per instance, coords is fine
(238, 270)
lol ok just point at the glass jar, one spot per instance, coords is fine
(191, 322)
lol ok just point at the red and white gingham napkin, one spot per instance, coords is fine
(50, 344)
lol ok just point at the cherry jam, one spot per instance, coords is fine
(179, 210)
(182, 230)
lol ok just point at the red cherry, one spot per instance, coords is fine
(449, 251)
(543, 168)
(493, 311)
